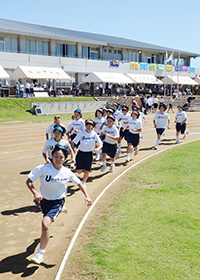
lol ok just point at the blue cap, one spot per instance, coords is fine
(181, 106)
(58, 128)
(77, 110)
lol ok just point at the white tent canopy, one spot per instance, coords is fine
(33, 72)
(3, 73)
(144, 79)
(181, 80)
(197, 79)
(106, 77)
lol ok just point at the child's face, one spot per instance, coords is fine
(110, 122)
(134, 116)
(89, 127)
(99, 115)
(162, 109)
(57, 120)
(58, 159)
(124, 112)
(77, 115)
(57, 135)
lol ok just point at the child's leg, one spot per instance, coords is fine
(158, 140)
(46, 223)
(85, 175)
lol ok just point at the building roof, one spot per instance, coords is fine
(31, 29)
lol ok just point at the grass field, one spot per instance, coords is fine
(152, 231)
(18, 109)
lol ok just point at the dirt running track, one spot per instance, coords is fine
(20, 219)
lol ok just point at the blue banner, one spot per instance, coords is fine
(144, 66)
(191, 69)
(178, 68)
(114, 63)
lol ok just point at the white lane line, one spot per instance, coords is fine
(20, 151)
(4, 160)
(94, 203)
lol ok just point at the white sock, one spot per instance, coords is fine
(128, 156)
(112, 163)
(177, 138)
(119, 146)
(157, 142)
(104, 162)
(41, 251)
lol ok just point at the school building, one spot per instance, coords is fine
(80, 53)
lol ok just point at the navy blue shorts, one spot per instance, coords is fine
(155, 105)
(72, 138)
(52, 208)
(124, 133)
(109, 149)
(170, 105)
(180, 127)
(133, 138)
(84, 160)
(160, 130)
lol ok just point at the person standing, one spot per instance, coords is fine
(21, 90)
(53, 189)
(160, 120)
(27, 86)
(17, 93)
(171, 101)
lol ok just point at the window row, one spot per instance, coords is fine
(37, 47)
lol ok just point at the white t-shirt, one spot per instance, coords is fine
(51, 128)
(155, 100)
(135, 124)
(113, 131)
(141, 116)
(161, 119)
(125, 118)
(117, 114)
(171, 101)
(162, 100)
(87, 140)
(51, 143)
(53, 182)
(99, 123)
(76, 124)
(181, 116)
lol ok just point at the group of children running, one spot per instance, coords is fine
(101, 136)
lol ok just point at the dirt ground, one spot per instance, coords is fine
(20, 223)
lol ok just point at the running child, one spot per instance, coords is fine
(110, 143)
(125, 118)
(99, 120)
(180, 121)
(89, 143)
(133, 136)
(75, 126)
(53, 189)
(171, 101)
(160, 120)
(57, 121)
(50, 144)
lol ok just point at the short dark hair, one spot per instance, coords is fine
(60, 128)
(163, 105)
(65, 151)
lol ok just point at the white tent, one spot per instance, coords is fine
(197, 79)
(33, 72)
(3, 73)
(144, 79)
(181, 80)
(106, 77)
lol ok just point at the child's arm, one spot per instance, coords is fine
(46, 158)
(88, 200)
(36, 194)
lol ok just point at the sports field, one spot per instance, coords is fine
(20, 152)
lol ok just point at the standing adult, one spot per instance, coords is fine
(27, 86)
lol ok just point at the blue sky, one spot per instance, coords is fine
(170, 23)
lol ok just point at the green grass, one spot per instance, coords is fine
(154, 230)
(18, 109)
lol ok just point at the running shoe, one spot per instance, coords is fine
(117, 154)
(97, 157)
(100, 163)
(136, 152)
(103, 168)
(64, 210)
(72, 166)
(38, 258)
(128, 159)
(112, 167)
(177, 142)
(155, 148)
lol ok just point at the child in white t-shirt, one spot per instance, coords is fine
(53, 189)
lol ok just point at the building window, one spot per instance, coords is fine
(70, 50)
(85, 52)
(94, 54)
(8, 44)
(37, 47)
